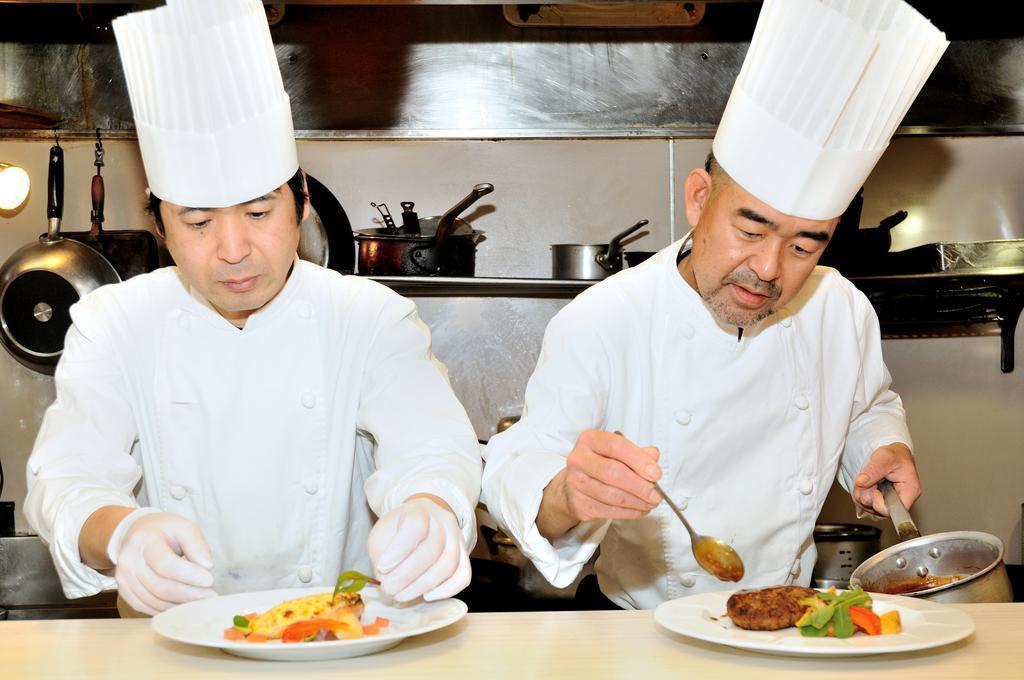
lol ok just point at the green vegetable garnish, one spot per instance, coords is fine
(821, 617)
(352, 582)
(241, 624)
(836, 612)
(811, 631)
(842, 624)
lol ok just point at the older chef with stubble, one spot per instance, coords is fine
(742, 376)
(239, 421)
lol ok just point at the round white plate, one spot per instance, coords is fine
(925, 624)
(203, 622)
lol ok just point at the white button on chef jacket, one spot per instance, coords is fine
(311, 486)
(305, 574)
(308, 399)
(806, 486)
(683, 417)
(177, 492)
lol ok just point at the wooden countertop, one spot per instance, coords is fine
(601, 644)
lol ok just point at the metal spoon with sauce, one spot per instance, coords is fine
(714, 555)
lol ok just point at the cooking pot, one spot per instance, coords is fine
(40, 282)
(841, 548)
(955, 566)
(589, 262)
(432, 246)
(974, 558)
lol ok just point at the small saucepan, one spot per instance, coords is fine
(592, 261)
(954, 566)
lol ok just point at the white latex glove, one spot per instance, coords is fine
(417, 549)
(161, 559)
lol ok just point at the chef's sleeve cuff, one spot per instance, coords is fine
(450, 493)
(869, 437)
(78, 579)
(522, 482)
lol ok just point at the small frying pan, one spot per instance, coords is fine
(130, 251)
(40, 282)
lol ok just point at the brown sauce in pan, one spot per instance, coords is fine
(913, 585)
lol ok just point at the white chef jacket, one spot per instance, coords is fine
(751, 431)
(278, 439)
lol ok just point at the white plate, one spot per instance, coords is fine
(203, 622)
(925, 624)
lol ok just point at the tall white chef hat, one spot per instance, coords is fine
(823, 87)
(213, 120)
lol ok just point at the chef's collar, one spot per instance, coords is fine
(262, 316)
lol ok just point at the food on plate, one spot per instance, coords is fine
(769, 608)
(324, 616)
(815, 613)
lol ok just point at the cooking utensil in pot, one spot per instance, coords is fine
(955, 566)
(389, 221)
(130, 251)
(590, 262)
(714, 555)
(39, 282)
(445, 246)
(410, 220)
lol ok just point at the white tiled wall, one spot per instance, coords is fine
(965, 414)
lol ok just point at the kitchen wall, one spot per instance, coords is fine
(964, 413)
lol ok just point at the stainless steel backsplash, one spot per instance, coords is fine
(464, 71)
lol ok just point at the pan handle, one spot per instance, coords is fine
(901, 519)
(446, 225)
(55, 191)
(611, 259)
(97, 190)
(97, 205)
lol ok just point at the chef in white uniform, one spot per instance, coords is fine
(741, 376)
(237, 422)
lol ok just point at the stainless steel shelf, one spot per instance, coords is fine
(440, 286)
